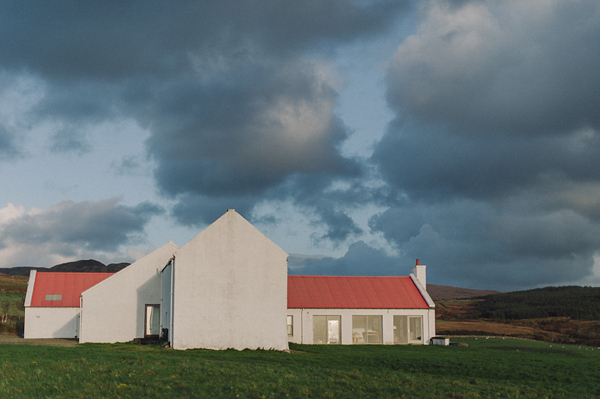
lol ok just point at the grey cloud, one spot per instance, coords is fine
(475, 244)
(433, 164)
(518, 68)
(92, 226)
(248, 134)
(107, 40)
(8, 148)
(360, 260)
(69, 140)
(493, 154)
(80, 102)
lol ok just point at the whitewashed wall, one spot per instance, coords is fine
(303, 322)
(50, 322)
(230, 289)
(114, 309)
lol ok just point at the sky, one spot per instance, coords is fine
(357, 135)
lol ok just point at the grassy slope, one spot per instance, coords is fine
(486, 368)
(13, 283)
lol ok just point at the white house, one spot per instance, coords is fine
(228, 288)
(359, 310)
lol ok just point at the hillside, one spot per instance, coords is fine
(580, 303)
(13, 283)
(439, 292)
(552, 314)
(86, 266)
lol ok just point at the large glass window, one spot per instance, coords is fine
(408, 329)
(367, 329)
(326, 329)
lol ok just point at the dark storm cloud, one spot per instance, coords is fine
(352, 264)
(433, 164)
(246, 134)
(115, 40)
(493, 155)
(235, 100)
(94, 226)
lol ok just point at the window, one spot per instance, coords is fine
(326, 329)
(408, 329)
(152, 321)
(415, 325)
(400, 330)
(54, 297)
(290, 325)
(367, 330)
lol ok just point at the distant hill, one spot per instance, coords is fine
(81, 266)
(579, 303)
(438, 292)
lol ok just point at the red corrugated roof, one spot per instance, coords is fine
(329, 292)
(68, 285)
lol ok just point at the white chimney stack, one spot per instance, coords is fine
(419, 271)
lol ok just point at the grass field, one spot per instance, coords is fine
(487, 368)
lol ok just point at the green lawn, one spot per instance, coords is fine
(486, 368)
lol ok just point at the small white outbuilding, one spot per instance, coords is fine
(52, 303)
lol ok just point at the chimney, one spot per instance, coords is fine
(419, 271)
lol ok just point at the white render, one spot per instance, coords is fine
(48, 322)
(114, 309)
(229, 287)
(303, 323)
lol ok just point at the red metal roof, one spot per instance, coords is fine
(68, 285)
(328, 292)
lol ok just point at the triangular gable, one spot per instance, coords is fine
(345, 292)
(236, 226)
(62, 289)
